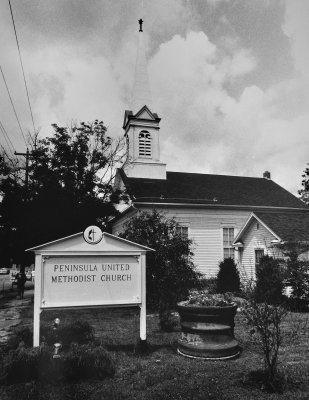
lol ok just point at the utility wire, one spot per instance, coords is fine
(22, 67)
(13, 106)
(12, 160)
(5, 153)
(5, 133)
(7, 139)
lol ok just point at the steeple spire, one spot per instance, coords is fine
(141, 94)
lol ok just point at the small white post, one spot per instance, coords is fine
(37, 300)
(142, 322)
(237, 258)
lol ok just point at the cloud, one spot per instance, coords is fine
(296, 27)
(229, 100)
(206, 129)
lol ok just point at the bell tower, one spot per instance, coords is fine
(141, 125)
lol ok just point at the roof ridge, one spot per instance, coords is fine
(229, 176)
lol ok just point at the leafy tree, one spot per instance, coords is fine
(170, 271)
(69, 186)
(304, 192)
(228, 277)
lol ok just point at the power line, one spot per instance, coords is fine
(22, 67)
(13, 106)
(12, 159)
(6, 134)
(7, 139)
(4, 152)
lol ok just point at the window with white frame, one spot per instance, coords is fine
(228, 238)
(183, 231)
(259, 253)
(144, 144)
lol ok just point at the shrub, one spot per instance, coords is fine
(228, 277)
(168, 321)
(170, 272)
(209, 285)
(87, 361)
(80, 332)
(26, 364)
(80, 362)
(269, 281)
(298, 279)
(266, 321)
(21, 335)
(297, 273)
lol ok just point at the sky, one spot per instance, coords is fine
(229, 78)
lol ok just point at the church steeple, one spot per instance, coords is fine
(141, 94)
(141, 125)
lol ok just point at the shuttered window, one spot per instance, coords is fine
(144, 144)
(228, 238)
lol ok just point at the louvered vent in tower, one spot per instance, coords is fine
(144, 144)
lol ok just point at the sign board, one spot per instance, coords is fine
(89, 269)
(91, 280)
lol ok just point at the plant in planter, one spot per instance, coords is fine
(207, 324)
(203, 298)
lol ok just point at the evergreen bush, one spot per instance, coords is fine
(269, 281)
(228, 279)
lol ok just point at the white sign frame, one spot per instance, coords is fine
(75, 246)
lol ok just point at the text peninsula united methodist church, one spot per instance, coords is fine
(226, 216)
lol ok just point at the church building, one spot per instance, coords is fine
(225, 216)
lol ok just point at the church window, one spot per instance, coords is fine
(228, 238)
(183, 231)
(259, 253)
(144, 144)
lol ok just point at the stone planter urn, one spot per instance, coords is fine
(207, 330)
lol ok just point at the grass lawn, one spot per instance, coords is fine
(163, 374)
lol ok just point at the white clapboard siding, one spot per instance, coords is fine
(255, 237)
(205, 229)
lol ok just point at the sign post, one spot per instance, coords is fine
(89, 269)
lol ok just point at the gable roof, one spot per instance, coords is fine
(285, 227)
(289, 227)
(219, 190)
(143, 114)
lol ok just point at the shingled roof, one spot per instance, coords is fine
(190, 188)
(289, 227)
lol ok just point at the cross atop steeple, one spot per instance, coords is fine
(140, 21)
